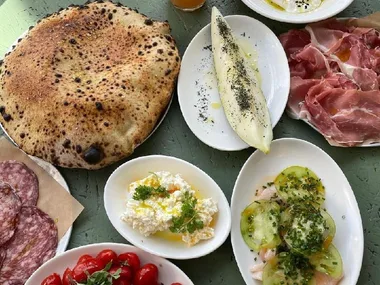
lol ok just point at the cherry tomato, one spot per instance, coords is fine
(125, 272)
(121, 281)
(84, 258)
(53, 279)
(106, 256)
(67, 277)
(88, 266)
(131, 259)
(146, 275)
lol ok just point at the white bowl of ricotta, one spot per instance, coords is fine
(298, 11)
(167, 207)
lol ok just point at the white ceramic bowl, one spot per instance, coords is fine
(115, 197)
(340, 202)
(197, 83)
(329, 8)
(168, 272)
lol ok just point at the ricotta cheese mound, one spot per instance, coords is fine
(155, 214)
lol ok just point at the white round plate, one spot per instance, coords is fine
(197, 85)
(340, 202)
(328, 9)
(116, 195)
(49, 168)
(168, 272)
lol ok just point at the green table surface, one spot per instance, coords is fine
(361, 165)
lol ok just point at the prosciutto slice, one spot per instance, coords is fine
(335, 80)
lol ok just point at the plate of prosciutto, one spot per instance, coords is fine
(295, 219)
(335, 80)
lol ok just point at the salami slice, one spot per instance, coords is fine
(10, 206)
(2, 256)
(34, 242)
(22, 179)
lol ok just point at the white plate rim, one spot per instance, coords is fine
(332, 161)
(186, 54)
(109, 245)
(53, 172)
(295, 20)
(147, 249)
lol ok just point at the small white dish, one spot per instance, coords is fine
(340, 202)
(168, 272)
(328, 9)
(53, 172)
(116, 193)
(197, 84)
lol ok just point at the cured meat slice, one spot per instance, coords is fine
(34, 242)
(335, 80)
(10, 206)
(2, 256)
(294, 41)
(335, 113)
(323, 279)
(309, 63)
(326, 34)
(22, 179)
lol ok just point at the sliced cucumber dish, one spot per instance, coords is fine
(293, 224)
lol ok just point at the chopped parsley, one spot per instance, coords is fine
(143, 192)
(296, 268)
(189, 221)
(299, 184)
(305, 229)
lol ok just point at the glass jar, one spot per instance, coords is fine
(188, 5)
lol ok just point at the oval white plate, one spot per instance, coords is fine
(168, 272)
(197, 84)
(340, 201)
(115, 197)
(49, 168)
(329, 8)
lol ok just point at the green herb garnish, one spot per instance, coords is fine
(102, 277)
(189, 221)
(296, 268)
(144, 192)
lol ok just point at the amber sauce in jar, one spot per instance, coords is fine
(188, 5)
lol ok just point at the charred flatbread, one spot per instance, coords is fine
(88, 84)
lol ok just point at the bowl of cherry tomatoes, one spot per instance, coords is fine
(108, 264)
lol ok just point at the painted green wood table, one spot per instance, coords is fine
(361, 165)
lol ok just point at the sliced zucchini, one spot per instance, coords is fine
(259, 225)
(328, 262)
(307, 230)
(300, 184)
(288, 269)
